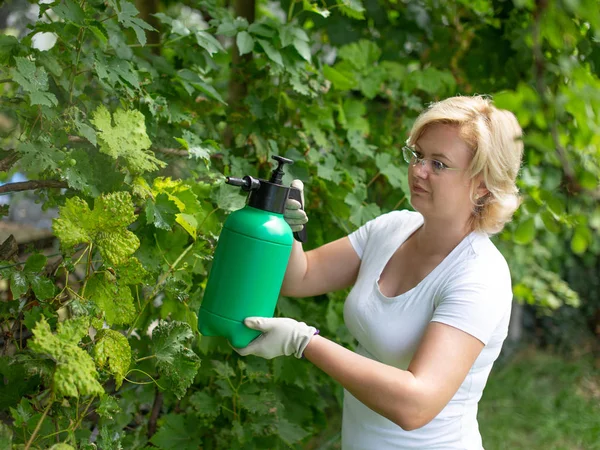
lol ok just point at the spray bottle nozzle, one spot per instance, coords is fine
(277, 173)
(247, 183)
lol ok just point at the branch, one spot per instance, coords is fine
(7, 163)
(539, 64)
(30, 185)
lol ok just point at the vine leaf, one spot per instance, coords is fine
(33, 80)
(71, 11)
(161, 212)
(75, 373)
(105, 226)
(113, 350)
(174, 361)
(178, 432)
(39, 156)
(127, 138)
(113, 299)
(126, 15)
(29, 277)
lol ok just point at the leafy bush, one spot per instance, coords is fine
(128, 125)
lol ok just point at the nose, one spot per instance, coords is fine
(421, 169)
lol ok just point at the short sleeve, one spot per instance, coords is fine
(382, 227)
(359, 238)
(476, 300)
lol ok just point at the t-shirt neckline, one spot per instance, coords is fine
(436, 269)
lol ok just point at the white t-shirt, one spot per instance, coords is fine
(469, 290)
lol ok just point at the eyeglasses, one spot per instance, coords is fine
(414, 158)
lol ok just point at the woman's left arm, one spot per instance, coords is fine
(410, 398)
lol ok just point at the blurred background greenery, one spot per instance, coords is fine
(217, 87)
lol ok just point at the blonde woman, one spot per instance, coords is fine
(431, 296)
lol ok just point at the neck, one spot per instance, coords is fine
(441, 237)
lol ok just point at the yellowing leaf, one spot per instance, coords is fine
(75, 374)
(114, 299)
(113, 350)
(125, 139)
(105, 226)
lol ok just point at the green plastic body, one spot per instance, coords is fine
(246, 275)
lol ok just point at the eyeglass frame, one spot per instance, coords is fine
(411, 157)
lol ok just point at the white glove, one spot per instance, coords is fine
(294, 215)
(280, 336)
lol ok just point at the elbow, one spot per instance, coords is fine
(410, 419)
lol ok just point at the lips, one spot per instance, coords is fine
(418, 189)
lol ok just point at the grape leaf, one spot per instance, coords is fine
(33, 80)
(105, 226)
(126, 16)
(37, 156)
(87, 174)
(175, 362)
(352, 8)
(108, 407)
(70, 11)
(75, 374)
(112, 349)
(363, 214)
(126, 139)
(161, 212)
(397, 177)
(204, 405)
(290, 433)
(178, 432)
(114, 299)
(132, 272)
(8, 47)
(361, 55)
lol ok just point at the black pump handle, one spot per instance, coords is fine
(301, 235)
(281, 160)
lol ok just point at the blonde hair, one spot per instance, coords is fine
(495, 138)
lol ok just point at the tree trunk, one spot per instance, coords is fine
(238, 83)
(146, 9)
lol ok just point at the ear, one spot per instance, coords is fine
(481, 190)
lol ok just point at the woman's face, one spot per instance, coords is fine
(446, 195)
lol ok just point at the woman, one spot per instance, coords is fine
(431, 297)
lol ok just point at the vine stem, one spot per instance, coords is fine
(80, 42)
(88, 269)
(145, 358)
(399, 202)
(161, 280)
(80, 419)
(373, 179)
(291, 10)
(39, 424)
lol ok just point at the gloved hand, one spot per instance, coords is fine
(280, 336)
(294, 215)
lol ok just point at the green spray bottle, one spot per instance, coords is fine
(250, 259)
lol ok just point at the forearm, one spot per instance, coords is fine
(393, 393)
(295, 272)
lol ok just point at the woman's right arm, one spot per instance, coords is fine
(331, 267)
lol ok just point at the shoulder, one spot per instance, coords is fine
(395, 219)
(482, 262)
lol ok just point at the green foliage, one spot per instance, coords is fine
(142, 123)
(75, 373)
